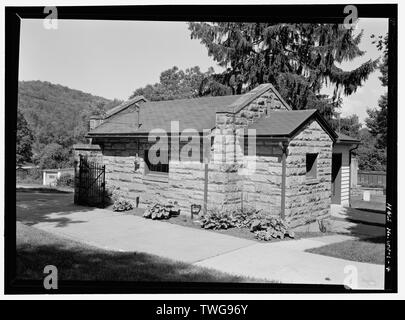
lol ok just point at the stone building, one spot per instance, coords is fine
(236, 151)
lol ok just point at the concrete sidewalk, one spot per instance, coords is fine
(283, 261)
(287, 262)
(123, 232)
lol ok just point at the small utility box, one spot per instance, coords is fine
(366, 195)
(49, 176)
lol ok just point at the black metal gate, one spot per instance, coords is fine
(89, 183)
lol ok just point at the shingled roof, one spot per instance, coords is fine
(288, 123)
(343, 138)
(124, 105)
(198, 113)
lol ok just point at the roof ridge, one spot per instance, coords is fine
(302, 110)
(124, 105)
(248, 97)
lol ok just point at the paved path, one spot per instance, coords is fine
(121, 232)
(288, 263)
(283, 261)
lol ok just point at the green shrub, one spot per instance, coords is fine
(159, 210)
(29, 176)
(268, 228)
(245, 216)
(122, 204)
(66, 180)
(215, 219)
(112, 194)
(262, 225)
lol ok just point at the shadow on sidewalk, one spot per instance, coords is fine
(34, 207)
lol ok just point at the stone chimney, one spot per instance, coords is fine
(95, 121)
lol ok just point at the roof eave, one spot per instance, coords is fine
(343, 141)
(129, 135)
(125, 105)
(325, 126)
(273, 137)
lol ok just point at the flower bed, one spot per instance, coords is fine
(263, 226)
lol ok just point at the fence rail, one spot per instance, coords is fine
(372, 178)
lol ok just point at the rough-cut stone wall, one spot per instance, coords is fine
(308, 199)
(227, 191)
(228, 156)
(186, 177)
(259, 107)
(186, 185)
(262, 189)
(91, 151)
(125, 168)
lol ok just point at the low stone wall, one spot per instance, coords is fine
(308, 200)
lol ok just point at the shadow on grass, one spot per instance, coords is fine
(374, 239)
(365, 231)
(372, 210)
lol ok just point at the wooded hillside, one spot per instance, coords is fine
(58, 114)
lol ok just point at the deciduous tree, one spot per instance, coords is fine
(24, 139)
(177, 84)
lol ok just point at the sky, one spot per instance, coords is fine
(113, 58)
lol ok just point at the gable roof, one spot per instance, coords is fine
(124, 106)
(287, 123)
(248, 97)
(197, 113)
(200, 114)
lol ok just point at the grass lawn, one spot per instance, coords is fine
(77, 261)
(376, 203)
(370, 250)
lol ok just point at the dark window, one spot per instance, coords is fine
(311, 161)
(159, 167)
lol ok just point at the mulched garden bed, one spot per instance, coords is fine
(185, 221)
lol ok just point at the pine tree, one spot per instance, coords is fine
(298, 59)
(377, 118)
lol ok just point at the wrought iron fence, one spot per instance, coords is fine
(89, 183)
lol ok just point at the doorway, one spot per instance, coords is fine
(336, 177)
